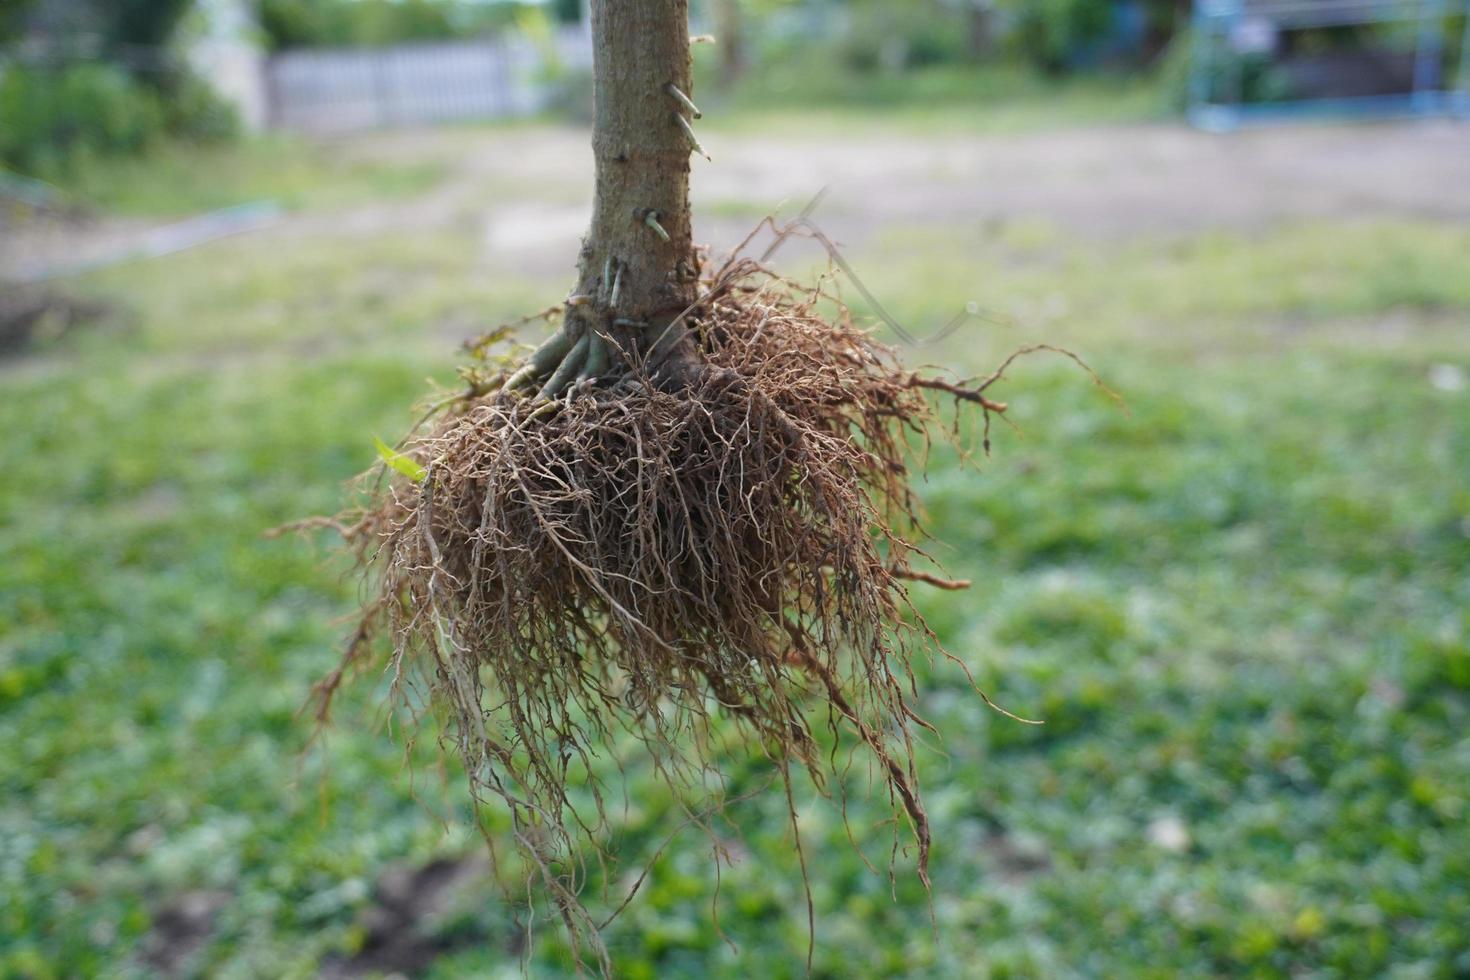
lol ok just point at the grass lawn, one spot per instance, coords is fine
(799, 96)
(180, 178)
(1241, 607)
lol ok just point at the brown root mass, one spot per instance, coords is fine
(649, 553)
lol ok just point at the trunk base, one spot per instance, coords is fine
(584, 353)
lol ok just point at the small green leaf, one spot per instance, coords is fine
(400, 462)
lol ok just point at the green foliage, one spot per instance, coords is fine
(883, 36)
(59, 118)
(60, 121)
(817, 93)
(13, 14)
(858, 40)
(56, 118)
(336, 23)
(922, 56)
(194, 112)
(403, 464)
(567, 11)
(1050, 33)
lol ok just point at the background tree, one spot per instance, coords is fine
(142, 23)
(121, 24)
(103, 81)
(729, 23)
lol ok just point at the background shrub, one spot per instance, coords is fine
(59, 118)
(53, 116)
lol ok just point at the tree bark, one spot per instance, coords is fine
(630, 270)
(638, 271)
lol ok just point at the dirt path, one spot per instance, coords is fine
(526, 190)
(529, 190)
(1126, 181)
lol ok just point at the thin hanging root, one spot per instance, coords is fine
(566, 371)
(899, 780)
(552, 350)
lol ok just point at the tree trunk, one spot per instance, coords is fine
(637, 263)
(638, 269)
(731, 36)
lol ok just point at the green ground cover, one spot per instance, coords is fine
(1241, 608)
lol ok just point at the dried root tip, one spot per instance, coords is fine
(694, 140)
(684, 100)
(566, 371)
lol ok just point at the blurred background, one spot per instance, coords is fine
(236, 238)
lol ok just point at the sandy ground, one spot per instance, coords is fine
(525, 190)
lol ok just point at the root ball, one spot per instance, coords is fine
(643, 555)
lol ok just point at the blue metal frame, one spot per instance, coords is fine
(1216, 23)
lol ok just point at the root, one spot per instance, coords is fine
(567, 370)
(543, 359)
(709, 517)
(597, 357)
(938, 581)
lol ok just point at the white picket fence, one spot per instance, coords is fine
(339, 90)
